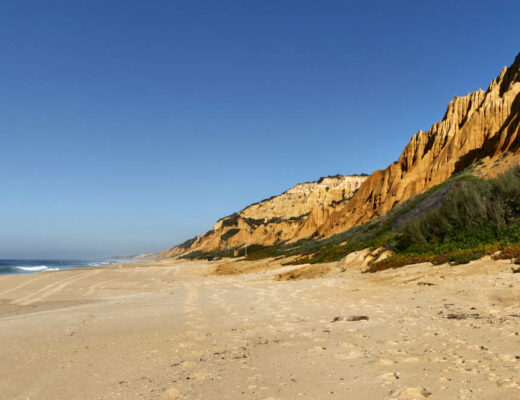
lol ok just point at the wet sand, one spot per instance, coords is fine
(166, 330)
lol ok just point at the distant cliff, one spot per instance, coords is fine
(290, 215)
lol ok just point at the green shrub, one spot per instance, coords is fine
(228, 234)
(232, 220)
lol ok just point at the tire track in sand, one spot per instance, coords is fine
(48, 290)
(22, 285)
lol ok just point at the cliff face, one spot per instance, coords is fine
(481, 125)
(279, 218)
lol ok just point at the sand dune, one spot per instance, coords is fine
(165, 330)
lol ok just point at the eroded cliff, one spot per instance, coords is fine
(287, 216)
(481, 129)
(483, 125)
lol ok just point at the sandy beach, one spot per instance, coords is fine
(171, 330)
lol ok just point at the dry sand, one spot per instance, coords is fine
(165, 330)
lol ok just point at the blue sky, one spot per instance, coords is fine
(129, 126)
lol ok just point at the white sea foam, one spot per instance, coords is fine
(34, 269)
(98, 264)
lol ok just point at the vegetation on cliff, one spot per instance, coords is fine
(431, 201)
(460, 220)
(476, 217)
(464, 218)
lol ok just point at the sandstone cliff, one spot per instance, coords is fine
(480, 129)
(291, 215)
(481, 125)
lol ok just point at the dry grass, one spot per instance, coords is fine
(511, 252)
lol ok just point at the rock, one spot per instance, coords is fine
(462, 316)
(351, 318)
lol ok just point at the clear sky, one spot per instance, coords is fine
(130, 126)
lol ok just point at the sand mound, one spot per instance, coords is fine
(306, 272)
(246, 267)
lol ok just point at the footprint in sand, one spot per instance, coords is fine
(384, 362)
(172, 393)
(349, 356)
(200, 376)
(189, 364)
(411, 394)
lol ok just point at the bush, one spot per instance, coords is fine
(187, 244)
(228, 234)
(511, 252)
(232, 220)
(453, 258)
(475, 212)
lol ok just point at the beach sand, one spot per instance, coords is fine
(170, 330)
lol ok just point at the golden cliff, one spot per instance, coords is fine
(479, 126)
(481, 129)
(285, 217)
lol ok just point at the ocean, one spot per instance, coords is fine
(32, 266)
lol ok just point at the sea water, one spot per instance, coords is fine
(32, 266)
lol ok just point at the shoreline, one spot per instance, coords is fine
(176, 329)
(35, 266)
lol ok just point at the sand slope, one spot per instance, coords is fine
(165, 330)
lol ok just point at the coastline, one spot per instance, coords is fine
(168, 329)
(31, 266)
